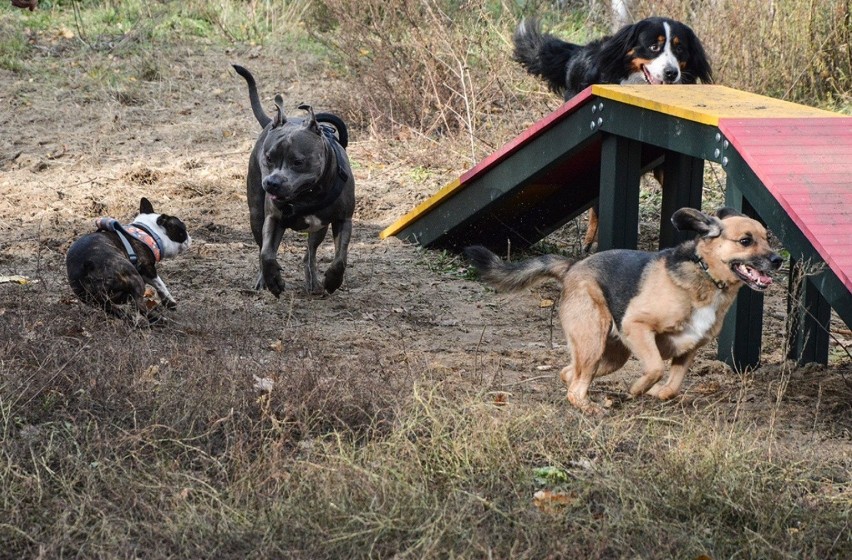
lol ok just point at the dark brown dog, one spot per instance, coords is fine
(657, 306)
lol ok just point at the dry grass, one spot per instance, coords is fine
(175, 454)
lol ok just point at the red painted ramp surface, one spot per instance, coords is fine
(806, 164)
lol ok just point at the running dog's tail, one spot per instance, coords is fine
(510, 277)
(542, 54)
(256, 107)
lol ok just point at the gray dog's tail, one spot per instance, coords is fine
(256, 107)
(542, 54)
(338, 126)
(511, 277)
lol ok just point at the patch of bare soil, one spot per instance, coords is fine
(71, 151)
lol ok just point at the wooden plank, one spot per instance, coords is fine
(739, 341)
(705, 104)
(619, 193)
(683, 186)
(810, 319)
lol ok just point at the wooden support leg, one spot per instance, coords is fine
(618, 213)
(740, 339)
(809, 316)
(683, 183)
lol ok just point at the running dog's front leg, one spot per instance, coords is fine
(270, 270)
(342, 232)
(162, 291)
(312, 283)
(671, 388)
(641, 340)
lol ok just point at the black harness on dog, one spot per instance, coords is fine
(294, 211)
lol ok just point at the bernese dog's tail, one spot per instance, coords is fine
(542, 54)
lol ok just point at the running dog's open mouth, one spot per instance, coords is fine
(753, 278)
(649, 78)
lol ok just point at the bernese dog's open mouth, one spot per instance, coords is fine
(649, 78)
(753, 278)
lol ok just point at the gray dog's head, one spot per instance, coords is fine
(293, 156)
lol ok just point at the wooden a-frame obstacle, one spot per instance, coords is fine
(787, 165)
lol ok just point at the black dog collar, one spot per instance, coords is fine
(703, 266)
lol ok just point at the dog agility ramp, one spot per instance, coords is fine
(786, 164)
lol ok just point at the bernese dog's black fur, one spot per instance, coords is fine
(653, 51)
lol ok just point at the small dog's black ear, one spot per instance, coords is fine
(727, 212)
(145, 206)
(690, 219)
(280, 116)
(311, 123)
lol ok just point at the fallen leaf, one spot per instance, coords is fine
(545, 303)
(264, 384)
(549, 501)
(16, 279)
(707, 388)
(150, 374)
(277, 346)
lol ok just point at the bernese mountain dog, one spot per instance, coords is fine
(653, 51)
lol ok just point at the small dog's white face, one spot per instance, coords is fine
(171, 230)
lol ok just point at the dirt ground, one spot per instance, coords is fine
(72, 150)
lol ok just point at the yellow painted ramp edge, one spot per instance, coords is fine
(448, 190)
(707, 104)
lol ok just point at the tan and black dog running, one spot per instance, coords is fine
(657, 306)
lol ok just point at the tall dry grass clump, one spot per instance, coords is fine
(436, 66)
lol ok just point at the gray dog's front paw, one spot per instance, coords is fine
(334, 276)
(272, 277)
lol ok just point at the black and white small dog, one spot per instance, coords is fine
(653, 51)
(110, 267)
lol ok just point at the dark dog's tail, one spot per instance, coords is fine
(542, 54)
(339, 127)
(256, 107)
(510, 277)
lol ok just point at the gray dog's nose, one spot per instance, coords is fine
(274, 182)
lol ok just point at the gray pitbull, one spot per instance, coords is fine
(299, 177)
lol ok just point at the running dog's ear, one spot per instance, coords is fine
(280, 117)
(727, 212)
(311, 123)
(690, 219)
(145, 206)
